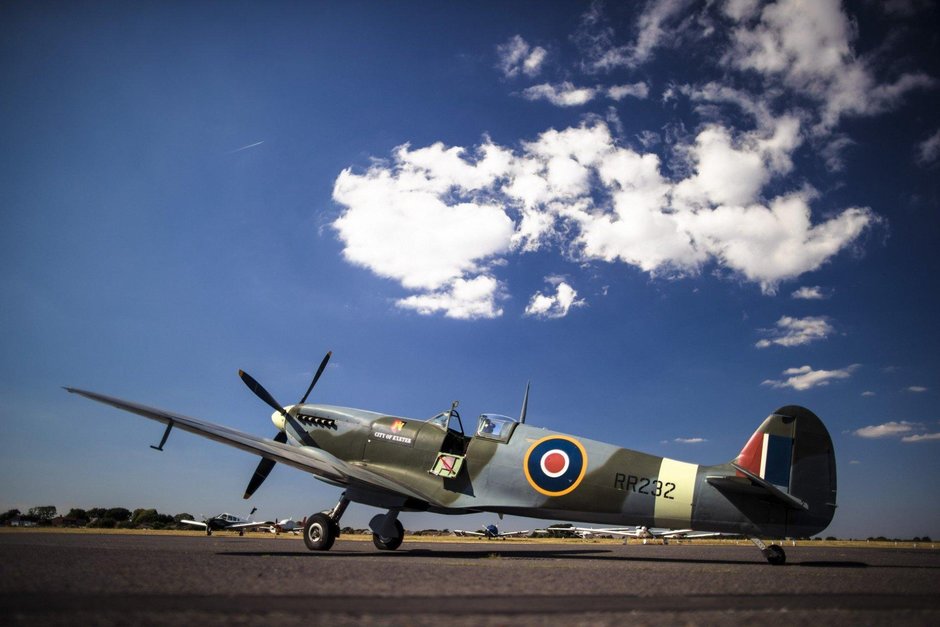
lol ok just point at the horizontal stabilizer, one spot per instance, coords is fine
(754, 485)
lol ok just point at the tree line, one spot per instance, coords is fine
(96, 518)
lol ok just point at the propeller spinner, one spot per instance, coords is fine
(279, 417)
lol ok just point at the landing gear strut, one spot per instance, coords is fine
(774, 554)
(321, 530)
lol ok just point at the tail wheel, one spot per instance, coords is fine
(775, 555)
(389, 544)
(319, 532)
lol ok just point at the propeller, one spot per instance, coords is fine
(265, 465)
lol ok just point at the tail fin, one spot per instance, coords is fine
(793, 453)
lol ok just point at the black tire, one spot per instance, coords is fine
(208, 531)
(389, 544)
(776, 555)
(319, 532)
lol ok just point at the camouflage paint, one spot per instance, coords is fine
(614, 486)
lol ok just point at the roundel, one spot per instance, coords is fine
(555, 465)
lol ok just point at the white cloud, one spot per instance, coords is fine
(732, 170)
(797, 331)
(656, 26)
(554, 305)
(868, 393)
(635, 90)
(809, 292)
(516, 57)
(741, 9)
(757, 107)
(886, 430)
(562, 95)
(929, 149)
(690, 440)
(805, 378)
(916, 389)
(430, 216)
(769, 244)
(808, 47)
(462, 299)
(907, 431)
(832, 151)
(400, 225)
(921, 437)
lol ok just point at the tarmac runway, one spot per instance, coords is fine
(59, 579)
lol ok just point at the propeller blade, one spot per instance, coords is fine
(263, 469)
(260, 392)
(316, 377)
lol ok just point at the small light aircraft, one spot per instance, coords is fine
(227, 522)
(287, 525)
(782, 483)
(492, 532)
(646, 533)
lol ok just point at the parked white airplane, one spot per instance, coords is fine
(228, 522)
(647, 533)
(287, 525)
(492, 532)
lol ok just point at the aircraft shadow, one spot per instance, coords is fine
(572, 554)
(834, 564)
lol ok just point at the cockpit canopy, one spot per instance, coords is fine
(495, 427)
(440, 419)
(490, 426)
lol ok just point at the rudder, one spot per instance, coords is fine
(792, 450)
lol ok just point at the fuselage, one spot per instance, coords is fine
(536, 472)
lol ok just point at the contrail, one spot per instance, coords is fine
(246, 147)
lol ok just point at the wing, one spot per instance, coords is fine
(688, 534)
(618, 531)
(669, 533)
(194, 522)
(250, 524)
(468, 533)
(306, 458)
(509, 534)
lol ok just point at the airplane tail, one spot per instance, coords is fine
(788, 461)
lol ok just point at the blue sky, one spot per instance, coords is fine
(673, 217)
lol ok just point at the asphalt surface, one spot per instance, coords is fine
(67, 579)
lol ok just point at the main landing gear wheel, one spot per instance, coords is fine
(320, 532)
(389, 544)
(775, 555)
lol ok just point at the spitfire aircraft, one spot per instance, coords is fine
(781, 484)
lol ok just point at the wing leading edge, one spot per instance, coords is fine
(306, 458)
